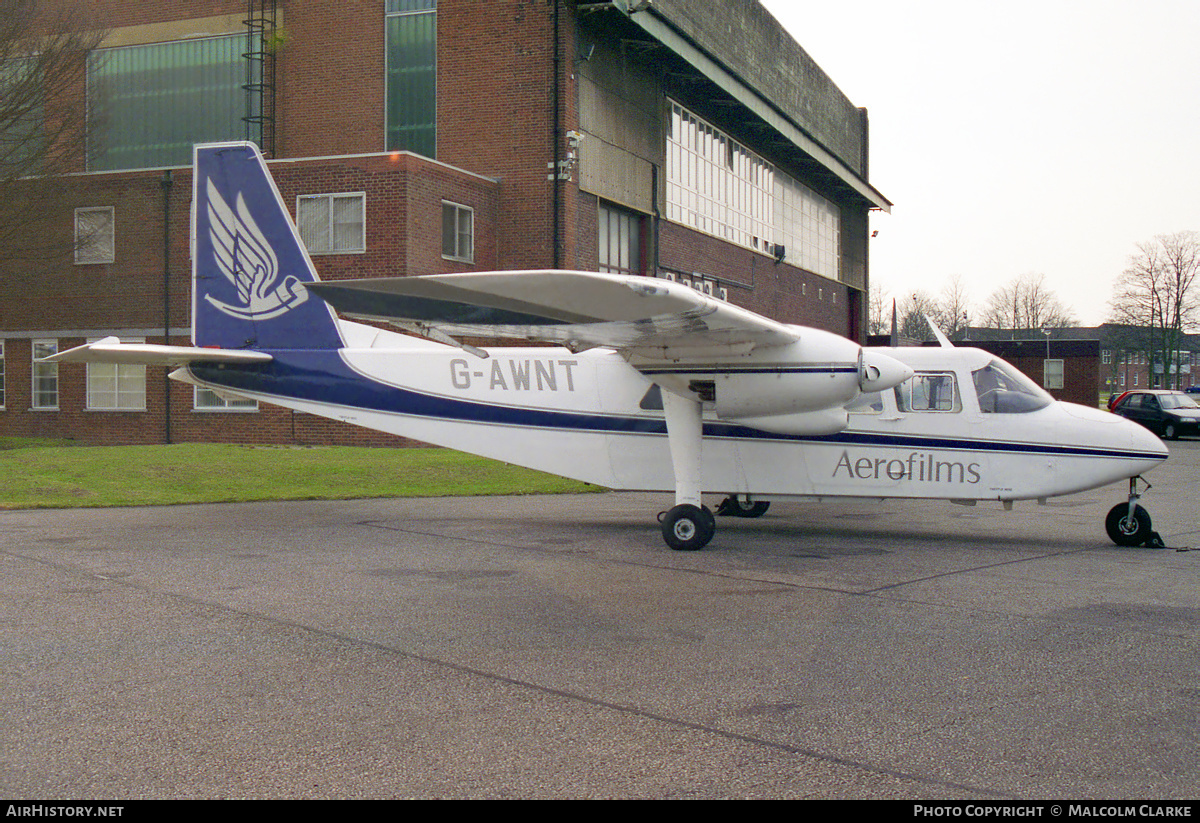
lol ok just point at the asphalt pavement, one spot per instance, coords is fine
(552, 646)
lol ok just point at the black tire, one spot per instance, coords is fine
(734, 506)
(1125, 532)
(688, 528)
(756, 509)
(1170, 432)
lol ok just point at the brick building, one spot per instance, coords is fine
(691, 139)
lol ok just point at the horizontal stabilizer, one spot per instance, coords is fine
(577, 309)
(112, 350)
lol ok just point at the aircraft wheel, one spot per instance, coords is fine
(756, 509)
(688, 528)
(734, 506)
(1126, 531)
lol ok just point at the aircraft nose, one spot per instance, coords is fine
(877, 371)
(1143, 440)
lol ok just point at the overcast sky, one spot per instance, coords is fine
(1017, 137)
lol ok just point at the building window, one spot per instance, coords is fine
(333, 223)
(1052, 374)
(160, 99)
(620, 240)
(209, 400)
(458, 232)
(116, 386)
(94, 235)
(411, 38)
(1106, 356)
(45, 375)
(719, 187)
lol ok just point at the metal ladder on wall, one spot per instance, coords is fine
(262, 41)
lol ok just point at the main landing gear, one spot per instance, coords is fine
(742, 506)
(689, 524)
(687, 528)
(1128, 524)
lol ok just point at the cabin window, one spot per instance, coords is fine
(929, 392)
(1002, 389)
(866, 403)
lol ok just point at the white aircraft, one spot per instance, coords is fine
(647, 385)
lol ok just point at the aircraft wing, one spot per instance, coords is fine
(580, 310)
(112, 350)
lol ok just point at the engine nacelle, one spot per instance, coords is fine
(802, 388)
(790, 391)
(822, 421)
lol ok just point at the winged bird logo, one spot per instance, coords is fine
(244, 256)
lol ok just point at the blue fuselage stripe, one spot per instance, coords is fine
(323, 377)
(718, 370)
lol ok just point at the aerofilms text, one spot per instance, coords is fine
(921, 467)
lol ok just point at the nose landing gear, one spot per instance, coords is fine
(1128, 524)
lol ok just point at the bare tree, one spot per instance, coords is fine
(1156, 298)
(44, 122)
(913, 311)
(881, 303)
(1026, 304)
(953, 313)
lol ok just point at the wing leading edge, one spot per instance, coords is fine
(580, 310)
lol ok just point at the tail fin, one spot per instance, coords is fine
(249, 265)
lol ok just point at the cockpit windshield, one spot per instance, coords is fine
(1002, 389)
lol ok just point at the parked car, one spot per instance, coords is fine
(1115, 398)
(1170, 414)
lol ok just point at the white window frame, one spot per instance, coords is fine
(930, 403)
(122, 377)
(716, 185)
(43, 371)
(327, 239)
(95, 243)
(207, 401)
(453, 250)
(1053, 373)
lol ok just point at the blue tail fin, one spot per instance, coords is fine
(249, 266)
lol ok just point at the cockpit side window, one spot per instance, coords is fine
(929, 392)
(868, 403)
(1002, 389)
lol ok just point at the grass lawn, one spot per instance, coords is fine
(55, 474)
